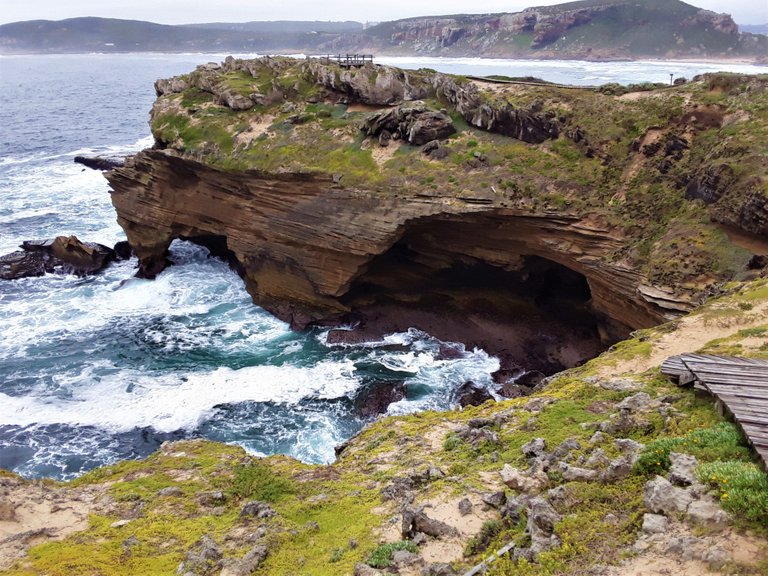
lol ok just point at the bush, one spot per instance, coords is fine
(742, 487)
(381, 557)
(256, 480)
(720, 442)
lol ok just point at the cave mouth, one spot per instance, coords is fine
(531, 312)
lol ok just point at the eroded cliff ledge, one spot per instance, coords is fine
(540, 222)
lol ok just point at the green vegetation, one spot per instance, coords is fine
(381, 557)
(741, 486)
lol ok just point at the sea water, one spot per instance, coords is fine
(97, 369)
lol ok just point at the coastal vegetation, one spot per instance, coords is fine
(152, 515)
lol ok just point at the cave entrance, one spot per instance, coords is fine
(527, 309)
(218, 248)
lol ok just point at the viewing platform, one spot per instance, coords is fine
(348, 60)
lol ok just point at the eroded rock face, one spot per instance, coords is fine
(310, 250)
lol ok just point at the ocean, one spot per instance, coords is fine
(94, 370)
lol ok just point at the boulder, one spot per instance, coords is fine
(495, 500)
(636, 403)
(65, 254)
(534, 448)
(542, 518)
(465, 506)
(654, 524)
(708, 513)
(415, 124)
(248, 564)
(375, 398)
(470, 394)
(574, 474)
(203, 559)
(257, 509)
(522, 482)
(663, 498)
(682, 471)
(417, 521)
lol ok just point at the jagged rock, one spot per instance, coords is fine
(64, 254)
(170, 491)
(597, 438)
(617, 469)
(416, 124)
(597, 459)
(99, 162)
(375, 398)
(530, 379)
(637, 403)
(654, 524)
(365, 570)
(417, 521)
(465, 506)
(716, 557)
(534, 448)
(204, 559)
(123, 250)
(682, 471)
(564, 448)
(574, 474)
(514, 508)
(522, 482)
(257, 509)
(248, 564)
(542, 518)
(628, 447)
(708, 513)
(438, 569)
(662, 497)
(470, 394)
(495, 500)
(213, 498)
(404, 558)
(625, 422)
(397, 488)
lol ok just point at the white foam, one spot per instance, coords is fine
(174, 402)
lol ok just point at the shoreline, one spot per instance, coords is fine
(386, 55)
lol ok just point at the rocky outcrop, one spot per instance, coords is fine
(415, 124)
(63, 254)
(310, 249)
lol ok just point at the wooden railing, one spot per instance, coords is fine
(348, 60)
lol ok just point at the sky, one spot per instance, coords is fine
(191, 11)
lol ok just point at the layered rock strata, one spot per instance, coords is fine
(518, 226)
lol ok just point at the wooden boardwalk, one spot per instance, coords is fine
(348, 60)
(739, 384)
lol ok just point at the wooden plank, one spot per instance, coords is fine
(740, 384)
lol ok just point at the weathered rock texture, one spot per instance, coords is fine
(505, 252)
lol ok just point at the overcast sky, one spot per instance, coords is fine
(189, 11)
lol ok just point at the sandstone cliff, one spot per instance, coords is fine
(557, 208)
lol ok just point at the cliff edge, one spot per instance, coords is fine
(382, 198)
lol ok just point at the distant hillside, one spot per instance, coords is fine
(112, 35)
(283, 26)
(589, 29)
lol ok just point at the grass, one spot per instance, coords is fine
(381, 557)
